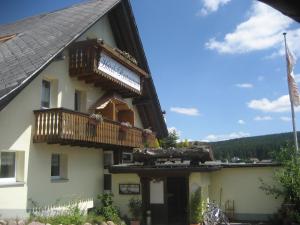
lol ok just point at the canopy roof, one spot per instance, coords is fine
(194, 154)
(103, 101)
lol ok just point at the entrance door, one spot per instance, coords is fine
(158, 205)
(177, 195)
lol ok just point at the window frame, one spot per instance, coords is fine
(111, 153)
(9, 179)
(127, 161)
(107, 182)
(42, 91)
(59, 167)
(77, 100)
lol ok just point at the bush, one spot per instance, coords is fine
(107, 210)
(94, 218)
(196, 214)
(135, 208)
(288, 179)
(73, 215)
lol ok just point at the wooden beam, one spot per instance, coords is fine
(7, 37)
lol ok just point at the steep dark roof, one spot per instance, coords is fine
(39, 39)
(127, 37)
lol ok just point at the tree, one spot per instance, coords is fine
(288, 178)
(170, 141)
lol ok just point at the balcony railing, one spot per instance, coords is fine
(63, 126)
(84, 63)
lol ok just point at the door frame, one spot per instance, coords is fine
(145, 179)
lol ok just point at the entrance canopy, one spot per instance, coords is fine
(193, 154)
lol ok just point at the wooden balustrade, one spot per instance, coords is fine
(63, 126)
(84, 57)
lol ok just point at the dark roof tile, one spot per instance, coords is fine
(40, 38)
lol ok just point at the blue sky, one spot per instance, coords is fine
(218, 65)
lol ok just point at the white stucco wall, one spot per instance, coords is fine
(17, 123)
(100, 30)
(242, 186)
(200, 180)
(84, 178)
(121, 200)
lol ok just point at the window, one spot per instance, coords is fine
(45, 94)
(108, 159)
(55, 166)
(127, 157)
(7, 166)
(59, 167)
(107, 182)
(77, 101)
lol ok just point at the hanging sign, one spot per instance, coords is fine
(119, 72)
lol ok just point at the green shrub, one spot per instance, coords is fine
(73, 215)
(287, 186)
(135, 208)
(107, 210)
(94, 218)
(196, 214)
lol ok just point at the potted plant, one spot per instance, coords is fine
(147, 132)
(124, 127)
(135, 208)
(95, 118)
(196, 214)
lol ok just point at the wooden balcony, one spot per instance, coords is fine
(96, 63)
(63, 126)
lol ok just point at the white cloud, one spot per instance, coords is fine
(244, 85)
(262, 118)
(285, 118)
(281, 104)
(186, 111)
(261, 30)
(210, 6)
(222, 137)
(241, 122)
